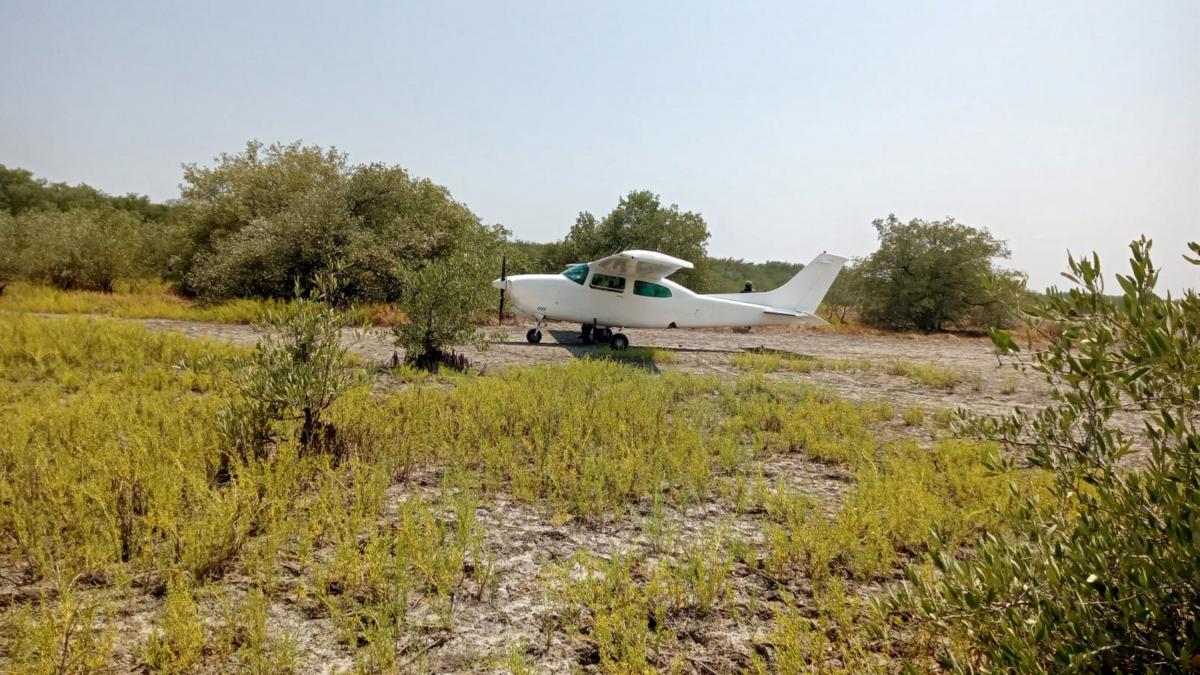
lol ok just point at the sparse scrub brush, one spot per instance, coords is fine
(297, 371)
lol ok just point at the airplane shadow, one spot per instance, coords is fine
(569, 340)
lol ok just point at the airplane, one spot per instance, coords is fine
(630, 290)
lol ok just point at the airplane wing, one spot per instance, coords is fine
(644, 264)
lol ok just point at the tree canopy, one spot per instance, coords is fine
(639, 221)
(265, 219)
(927, 274)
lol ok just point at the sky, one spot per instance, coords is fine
(1059, 126)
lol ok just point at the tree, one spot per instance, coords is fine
(441, 303)
(80, 249)
(20, 192)
(264, 218)
(927, 274)
(640, 221)
(845, 295)
(1101, 575)
(729, 275)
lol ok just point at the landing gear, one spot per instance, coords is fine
(602, 334)
(618, 341)
(534, 336)
(585, 334)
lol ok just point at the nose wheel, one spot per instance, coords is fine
(618, 341)
(534, 336)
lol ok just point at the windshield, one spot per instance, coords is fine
(577, 273)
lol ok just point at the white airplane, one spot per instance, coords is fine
(630, 290)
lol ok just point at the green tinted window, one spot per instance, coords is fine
(608, 282)
(651, 290)
(577, 273)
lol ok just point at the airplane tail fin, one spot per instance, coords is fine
(804, 292)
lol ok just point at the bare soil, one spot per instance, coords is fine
(513, 611)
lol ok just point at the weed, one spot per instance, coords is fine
(914, 416)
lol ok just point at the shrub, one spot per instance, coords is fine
(441, 301)
(1103, 576)
(80, 249)
(265, 219)
(296, 372)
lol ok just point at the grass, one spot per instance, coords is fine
(111, 453)
(924, 374)
(149, 299)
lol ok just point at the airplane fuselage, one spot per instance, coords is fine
(636, 303)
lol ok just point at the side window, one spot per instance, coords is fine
(577, 273)
(651, 290)
(607, 282)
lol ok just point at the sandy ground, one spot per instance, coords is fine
(526, 541)
(995, 389)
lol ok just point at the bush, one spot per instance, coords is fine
(78, 249)
(927, 274)
(268, 217)
(441, 302)
(297, 371)
(1102, 577)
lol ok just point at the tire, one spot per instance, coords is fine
(585, 335)
(603, 334)
(618, 342)
(534, 336)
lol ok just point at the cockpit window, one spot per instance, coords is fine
(577, 273)
(607, 282)
(651, 290)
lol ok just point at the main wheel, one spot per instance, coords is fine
(585, 334)
(534, 336)
(603, 334)
(618, 341)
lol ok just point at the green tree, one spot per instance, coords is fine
(927, 274)
(1101, 576)
(80, 249)
(845, 295)
(729, 275)
(640, 221)
(20, 192)
(264, 218)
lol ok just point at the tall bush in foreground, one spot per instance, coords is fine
(1105, 577)
(441, 302)
(297, 371)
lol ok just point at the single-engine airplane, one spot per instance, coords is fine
(630, 290)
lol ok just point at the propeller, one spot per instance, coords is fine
(503, 278)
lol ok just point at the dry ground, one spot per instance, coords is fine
(525, 540)
(996, 389)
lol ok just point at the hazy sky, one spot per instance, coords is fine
(790, 126)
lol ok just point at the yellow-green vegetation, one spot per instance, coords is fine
(148, 299)
(925, 374)
(118, 480)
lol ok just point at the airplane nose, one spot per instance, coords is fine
(500, 284)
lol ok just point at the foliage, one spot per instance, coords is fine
(925, 374)
(639, 221)
(927, 274)
(442, 301)
(845, 297)
(78, 249)
(1103, 575)
(271, 215)
(20, 192)
(729, 275)
(297, 371)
